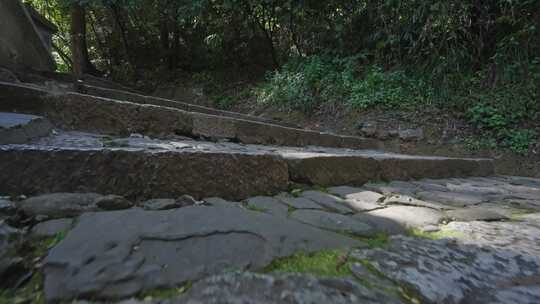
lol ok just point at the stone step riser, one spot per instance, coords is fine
(235, 176)
(141, 175)
(73, 111)
(354, 170)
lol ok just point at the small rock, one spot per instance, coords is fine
(7, 207)
(113, 202)
(51, 228)
(219, 202)
(160, 204)
(411, 134)
(367, 129)
(59, 205)
(364, 201)
(186, 200)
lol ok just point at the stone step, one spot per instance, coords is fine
(140, 167)
(158, 101)
(74, 111)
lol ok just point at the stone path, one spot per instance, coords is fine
(217, 207)
(444, 249)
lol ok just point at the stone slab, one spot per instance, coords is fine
(333, 221)
(111, 255)
(18, 128)
(407, 216)
(244, 287)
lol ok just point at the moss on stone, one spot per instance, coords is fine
(328, 263)
(255, 208)
(379, 240)
(165, 293)
(441, 234)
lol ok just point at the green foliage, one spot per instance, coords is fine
(307, 83)
(519, 141)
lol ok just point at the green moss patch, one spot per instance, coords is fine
(165, 293)
(255, 208)
(329, 263)
(442, 234)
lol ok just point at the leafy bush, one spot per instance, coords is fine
(519, 141)
(307, 83)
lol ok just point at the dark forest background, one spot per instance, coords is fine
(479, 59)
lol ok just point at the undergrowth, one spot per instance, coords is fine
(504, 108)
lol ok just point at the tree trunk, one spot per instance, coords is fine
(77, 32)
(79, 52)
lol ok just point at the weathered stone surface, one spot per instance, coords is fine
(333, 221)
(113, 202)
(7, 207)
(51, 228)
(392, 188)
(448, 271)
(268, 204)
(327, 201)
(474, 214)
(139, 175)
(399, 199)
(60, 205)
(160, 204)
(376, 282)
(408, 216)
(118, 254)
(454, 199)
(243, 287)
(219, 202)
(233, 171)
(20, 128)
(411, 134)
(74, 111)
(343, 191)
(20, 44)
(358, 199)
(381, 224)
(298, 202)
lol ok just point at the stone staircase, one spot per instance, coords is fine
(135, 194)
(141, 147)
